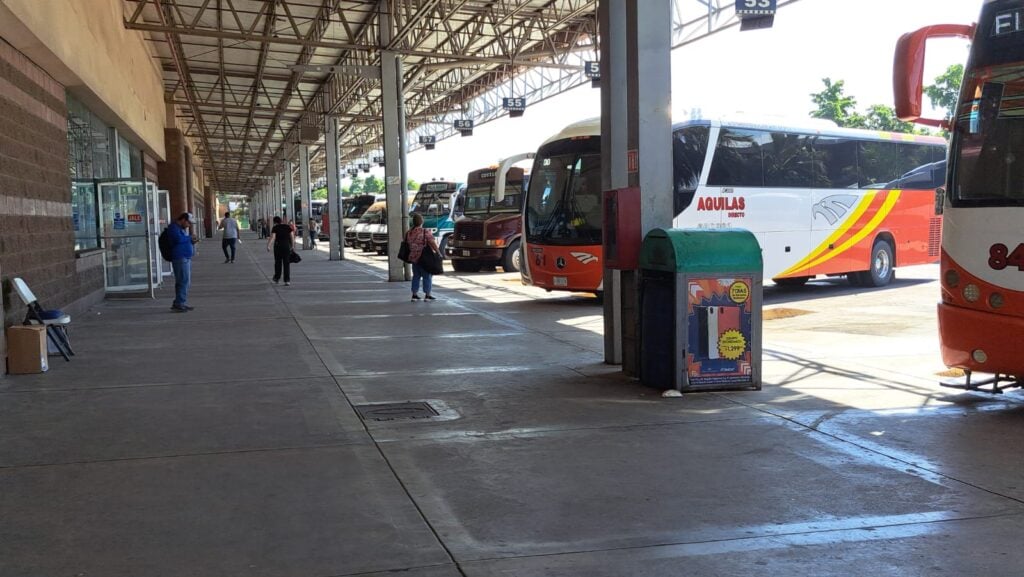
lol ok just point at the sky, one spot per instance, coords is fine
(759, 73)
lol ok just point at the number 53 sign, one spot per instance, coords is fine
(758, 7)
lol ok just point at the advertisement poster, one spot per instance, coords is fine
(719, 323)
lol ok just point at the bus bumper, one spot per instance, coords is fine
(478, 254)
(980, 341)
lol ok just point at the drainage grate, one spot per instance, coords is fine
(396, 411)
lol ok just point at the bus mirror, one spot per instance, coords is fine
(908, 70)
(940, 199)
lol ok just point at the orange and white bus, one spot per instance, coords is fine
(821, 200)
(981, 314)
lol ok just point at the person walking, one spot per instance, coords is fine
(230, 238)
(182, 251)
(259, 228)
(419, 238)
(314, 232)
(282, 238)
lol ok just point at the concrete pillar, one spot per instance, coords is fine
(649, 89)
(190, 181)
(171, 173)
(210, 207)
(614, 127)
(337, 246)
(307, 212)
(393, 102)
(289, 191)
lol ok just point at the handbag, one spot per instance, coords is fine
(403, 251)
(431, 261)
(294, 257)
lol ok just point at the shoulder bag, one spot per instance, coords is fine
(430, 260)
(294, 257)
(403, 251)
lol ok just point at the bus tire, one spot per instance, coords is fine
(882, 270)
(510, 261)
(461, 265)
(792, 281)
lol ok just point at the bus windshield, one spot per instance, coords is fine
(432, 202)
(988, 135)
(564, 199)
(356, 208)
(480, 198)
(371, 216)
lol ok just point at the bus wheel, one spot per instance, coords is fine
(792, 281)
(881, 272)
(510, 261)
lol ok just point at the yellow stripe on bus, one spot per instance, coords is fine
(839, 232)
(887, 206)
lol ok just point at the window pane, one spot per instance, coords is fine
(789, 161)
(876, 164)
(836, 162)
(689, 149)
(912, 156)
(737, 160)
(84, 216)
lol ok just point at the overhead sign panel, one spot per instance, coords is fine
(756, 14)
(428, 141)
(464, 126)
(515, 106)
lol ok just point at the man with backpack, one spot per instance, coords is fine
(176, 246)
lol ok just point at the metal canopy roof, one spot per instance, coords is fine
(248, 75)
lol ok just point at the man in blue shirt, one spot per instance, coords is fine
(181, 261)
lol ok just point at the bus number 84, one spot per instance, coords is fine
(1000, 257)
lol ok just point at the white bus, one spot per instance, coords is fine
(821, 200)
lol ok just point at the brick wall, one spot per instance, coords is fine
(36, 232)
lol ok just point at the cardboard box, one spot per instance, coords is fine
(26, 350)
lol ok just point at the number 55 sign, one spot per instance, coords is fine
(755, 7)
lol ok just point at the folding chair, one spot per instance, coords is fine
(55, 321)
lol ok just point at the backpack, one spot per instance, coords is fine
(166, 244)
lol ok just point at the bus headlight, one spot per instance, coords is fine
(972, 293)
(952, 278)
(979, 356)
(995, 300)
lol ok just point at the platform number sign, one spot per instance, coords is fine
(756, 7)
(379, 160)
(515, 106)
(353, 172)
(592, 70)
(428, 141)
(464, 126)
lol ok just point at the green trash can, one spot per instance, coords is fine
(700, 310)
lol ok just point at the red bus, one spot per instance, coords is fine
(981, 314)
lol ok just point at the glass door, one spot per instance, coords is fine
(163, 220)
(124, 226)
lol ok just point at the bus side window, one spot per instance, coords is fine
(835, 161)
(788, 161)
(737, 160)
(876, 164)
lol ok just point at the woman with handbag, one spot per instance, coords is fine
(282, 238)
(420, 240)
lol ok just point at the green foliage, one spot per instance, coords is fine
(319, 194)
(357, 186)
(833, 104)
(411, 184)
(944, 93)
(372, 184)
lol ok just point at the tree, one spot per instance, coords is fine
(320, 194)
(882, 117)
(836, 106)
(357, 186)
(411, 184)
(372, 184)
(946, 90)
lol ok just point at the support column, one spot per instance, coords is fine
(190, 192)
(649, 89)
(210, 208)
(614, 128)
(337, 245)
(393, 103)
(289, 191)
(171, 173)
(307, 208)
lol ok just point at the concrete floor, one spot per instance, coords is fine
(224, 441)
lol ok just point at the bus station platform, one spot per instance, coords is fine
(248, 437)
